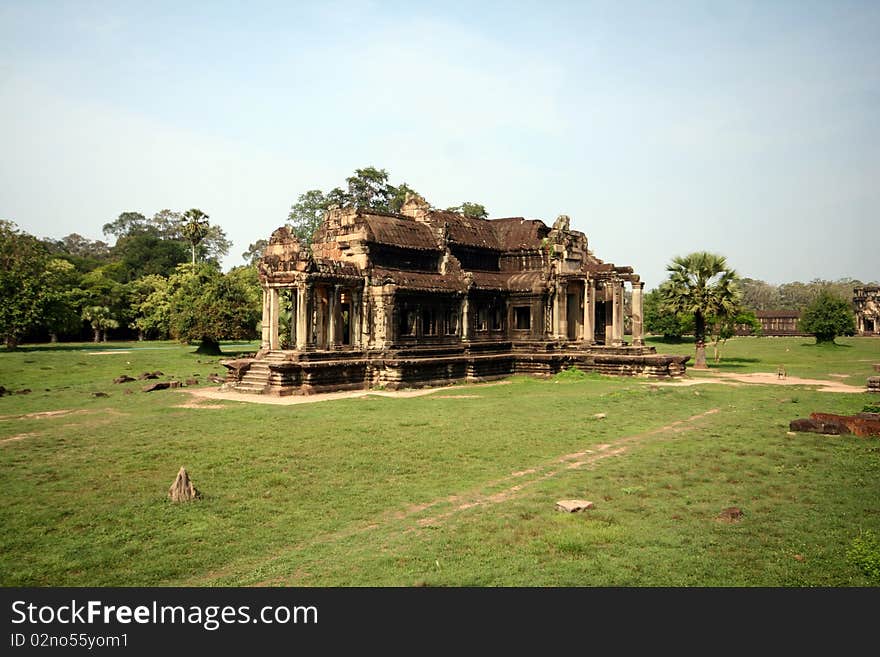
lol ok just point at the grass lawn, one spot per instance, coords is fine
(453, 488)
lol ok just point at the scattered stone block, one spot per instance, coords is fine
(4, 391)
(122, 379)
(23, 391)
(100, 394)
(574, 506)
(599, 416)
(731, 514)
(877, 367)
(192, 382)
(182, 490)
(874, 384)
(129, 391)
(174, 384)
(214, 378)
(162, 385)
(148, 375)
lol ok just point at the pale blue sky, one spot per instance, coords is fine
(749, 129)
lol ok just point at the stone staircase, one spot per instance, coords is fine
(256, 379)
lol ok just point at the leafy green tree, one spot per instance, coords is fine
(195, 228)
(255, 252)
(722, 328)
(306, 214)
(205, 305)
(660, 320)
(23, 283)
(101, 319)
(828, 317)
(398, 196)
(128, 223)
(145, 254)
(368, 188)
(62, 299)
(468, 209)
(140, 313)
(702, 285)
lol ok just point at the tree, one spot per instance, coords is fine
(127, 223)
(368, 188)
(101, 320)
(255, 252)
(306, 214)
(827, 317)
(660, 320)
(469, 209)
(702, 285)
(147, 253)
(205, 305)
(195, 228)
(23, 261)
(725, 327)
(62, 299)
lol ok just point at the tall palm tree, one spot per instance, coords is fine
(195, 228)
(703, 285)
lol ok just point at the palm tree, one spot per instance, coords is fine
(701, 284)
(195, 228)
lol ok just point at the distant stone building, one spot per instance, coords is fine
(427, 297)
(867, 306)
(779, 322)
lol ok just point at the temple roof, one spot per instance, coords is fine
(400, 232)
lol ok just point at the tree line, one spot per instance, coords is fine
(160, 278)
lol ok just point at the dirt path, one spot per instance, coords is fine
(762, 378)
(412, 517)
(231, 395)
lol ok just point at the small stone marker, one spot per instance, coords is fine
(573, 506)
(182, 490)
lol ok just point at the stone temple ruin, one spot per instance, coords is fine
(429, 297)
(867, 305)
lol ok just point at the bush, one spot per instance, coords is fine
(864, 552)
(827, 317)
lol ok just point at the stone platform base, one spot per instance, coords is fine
(308, 372)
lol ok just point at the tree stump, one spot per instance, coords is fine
(182, 490)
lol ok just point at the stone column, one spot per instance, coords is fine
(617, 314)
(589, 311)
(609, 312)
(333, 303)
(637, 325)
(303, 315)
(354, 318)
(562, 306)
(465, 319)
(264, 326)
(273, 318)
(294, 315)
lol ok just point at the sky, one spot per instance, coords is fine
(746, 129)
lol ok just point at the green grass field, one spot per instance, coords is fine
(449, 489)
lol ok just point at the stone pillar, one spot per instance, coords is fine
(465, 319)
(354, 318)
(556, 312)
(273, 318)
(617, 314)
(294, 313)
(589, 311)
(332, 305)
(637, 325)
(265, 324)
(304, 316)
(609, 312)
(562, 307)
